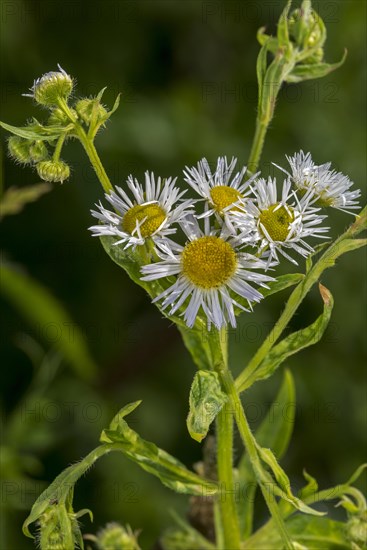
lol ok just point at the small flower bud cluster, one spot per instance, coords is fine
(25, 151)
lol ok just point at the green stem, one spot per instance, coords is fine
(294, 301)
(227, 504)
(230, 524)
(88, 146)
(257, 145)
(59, 144)
(250, 445)
(95, 160)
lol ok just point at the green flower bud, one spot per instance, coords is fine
(357, 529)
(116, 537)
(53, 170)
(19, 149)
(58, 529)
(59, 118)
(51, 87)
(38, 151)
(308, 31)
(86, 108)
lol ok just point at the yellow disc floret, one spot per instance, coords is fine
(208, 262)
(276, 221)
(223, 196)
(149, 217)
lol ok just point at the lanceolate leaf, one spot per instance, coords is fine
(35, 132)
(206, 400)
(317, 70)
(148, 456)
(295, 342)
(274, 432)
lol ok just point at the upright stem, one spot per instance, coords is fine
(257, 145)
(250, 445)
(227, 504)
(230, 525)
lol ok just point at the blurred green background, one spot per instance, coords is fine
(186, 70)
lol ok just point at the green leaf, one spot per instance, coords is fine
(281, 283)
(294, 343)
(282, 31)
(270, 41)
(274, 432)
(148, 456)
(36, 131)
(46, 313)
(206, 400)
(15, 198)
(196, 342)
(60, 491)
(261, 66)
(184, 537)
(314, 70)
(309, 489)
(314, 533)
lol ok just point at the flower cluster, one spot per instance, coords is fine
(247, 223)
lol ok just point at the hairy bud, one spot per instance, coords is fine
(53, 170)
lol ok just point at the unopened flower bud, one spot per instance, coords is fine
(19, 149)
(51, 87)
(59, 118)
(38, 151)
(308, 31)
(53, 170)
(86, 108)
(115, 536)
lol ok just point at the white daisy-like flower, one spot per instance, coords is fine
(211, 273)
(222, 190)
(279, 224)
(150, 214)
(330, 187)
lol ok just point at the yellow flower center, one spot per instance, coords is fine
(276, 222)
(223, 196)
(152, 214)
(208, 262)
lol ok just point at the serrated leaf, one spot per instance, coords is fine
(274, 432)
(314, 70)
(154, 460)
(43, 310)
(294, 343)
(15, 198)
(206, 400)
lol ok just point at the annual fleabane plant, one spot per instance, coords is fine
(204, 261)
